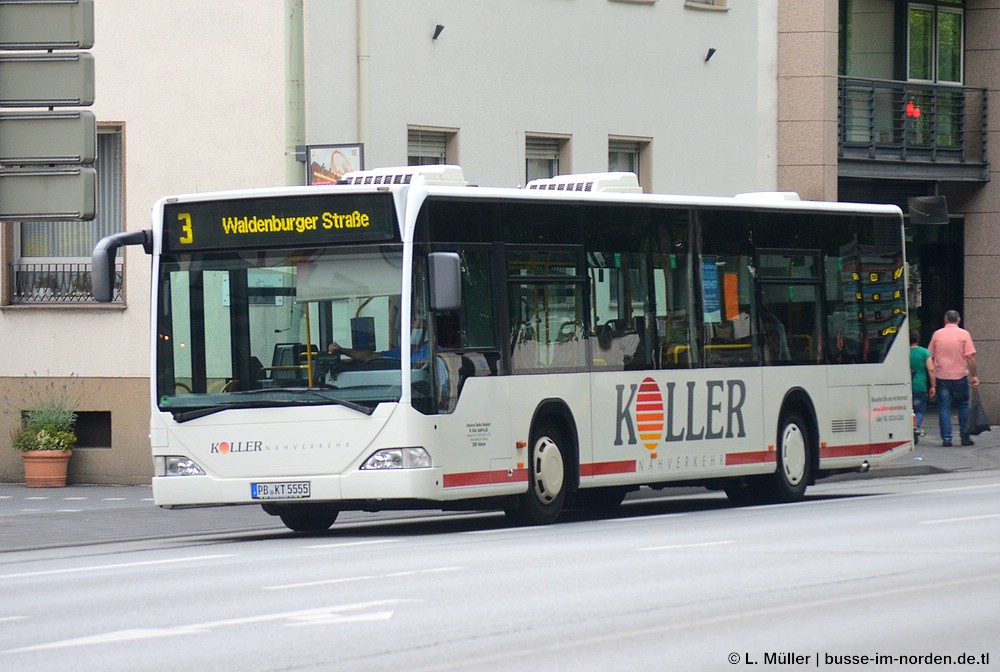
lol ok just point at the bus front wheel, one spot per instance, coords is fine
(543, 502)
(305, 517)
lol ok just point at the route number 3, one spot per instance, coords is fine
(188, 236)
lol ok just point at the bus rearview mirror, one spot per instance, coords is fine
(445, 277)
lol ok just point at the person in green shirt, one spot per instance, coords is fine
(922, 380)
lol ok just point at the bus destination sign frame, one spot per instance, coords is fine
(307, 220)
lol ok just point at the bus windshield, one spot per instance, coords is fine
(281, 327)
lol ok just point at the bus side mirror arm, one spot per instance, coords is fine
(445, 271)
(103, 263)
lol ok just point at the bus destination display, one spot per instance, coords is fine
(278, 221)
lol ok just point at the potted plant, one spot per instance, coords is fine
(46, 441)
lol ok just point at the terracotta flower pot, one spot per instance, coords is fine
(46, 468)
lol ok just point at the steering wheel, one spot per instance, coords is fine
(183, 386)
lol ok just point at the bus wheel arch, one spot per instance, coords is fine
(552, 459)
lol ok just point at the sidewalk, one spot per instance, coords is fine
(929, 456)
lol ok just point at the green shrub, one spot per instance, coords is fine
(44, 438)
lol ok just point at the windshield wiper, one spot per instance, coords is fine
(195, 413)
(360, 408)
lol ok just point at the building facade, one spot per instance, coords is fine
(886, 101)
(696, 96)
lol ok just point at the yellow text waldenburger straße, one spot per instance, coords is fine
(275, 224)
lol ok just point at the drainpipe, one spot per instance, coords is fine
(295, 108)
(364, 57)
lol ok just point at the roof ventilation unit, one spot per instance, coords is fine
(436, 175)
(611, 182)
(768, 196)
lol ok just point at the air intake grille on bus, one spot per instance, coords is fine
(848, 425)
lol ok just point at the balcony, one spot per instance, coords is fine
(907, 131)
(56, 283)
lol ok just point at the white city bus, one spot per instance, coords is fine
(403, 340)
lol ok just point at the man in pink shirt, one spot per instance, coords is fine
(954, 357)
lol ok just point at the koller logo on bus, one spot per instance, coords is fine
(275, 224)
(653, 416)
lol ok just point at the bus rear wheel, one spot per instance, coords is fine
(794, 460)
(306, 517)
(794, 468)
(543, 502)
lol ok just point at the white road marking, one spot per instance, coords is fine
(122, 565)
(960, 520)
(678, 547)
(363, 577)
(320, 616)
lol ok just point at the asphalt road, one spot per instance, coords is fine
(82, 514)
(902, 570)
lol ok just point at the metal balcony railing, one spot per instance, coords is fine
(51, 283)
(882, 120)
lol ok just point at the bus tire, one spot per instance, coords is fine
(792, 473)
(794, 460)
(547, 482)
(307, 517)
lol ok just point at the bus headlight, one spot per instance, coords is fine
(398, 458)
(175, 465)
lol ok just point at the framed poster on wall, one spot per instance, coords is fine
(325, 164)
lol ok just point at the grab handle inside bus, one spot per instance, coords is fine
(103, 266)
(445, 274)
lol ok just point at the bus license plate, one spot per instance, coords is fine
(289, 490)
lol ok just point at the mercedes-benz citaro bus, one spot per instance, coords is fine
(404, 340)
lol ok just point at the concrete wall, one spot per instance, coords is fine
(586, 70)
(200, 90)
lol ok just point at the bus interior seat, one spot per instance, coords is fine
(618, 344)
(286, 355)
(475, 364)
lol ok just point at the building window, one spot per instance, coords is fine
(542, 156)
(52, 259)
(934, 43)
(430, 146)
(630, 155)
(623, 155)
